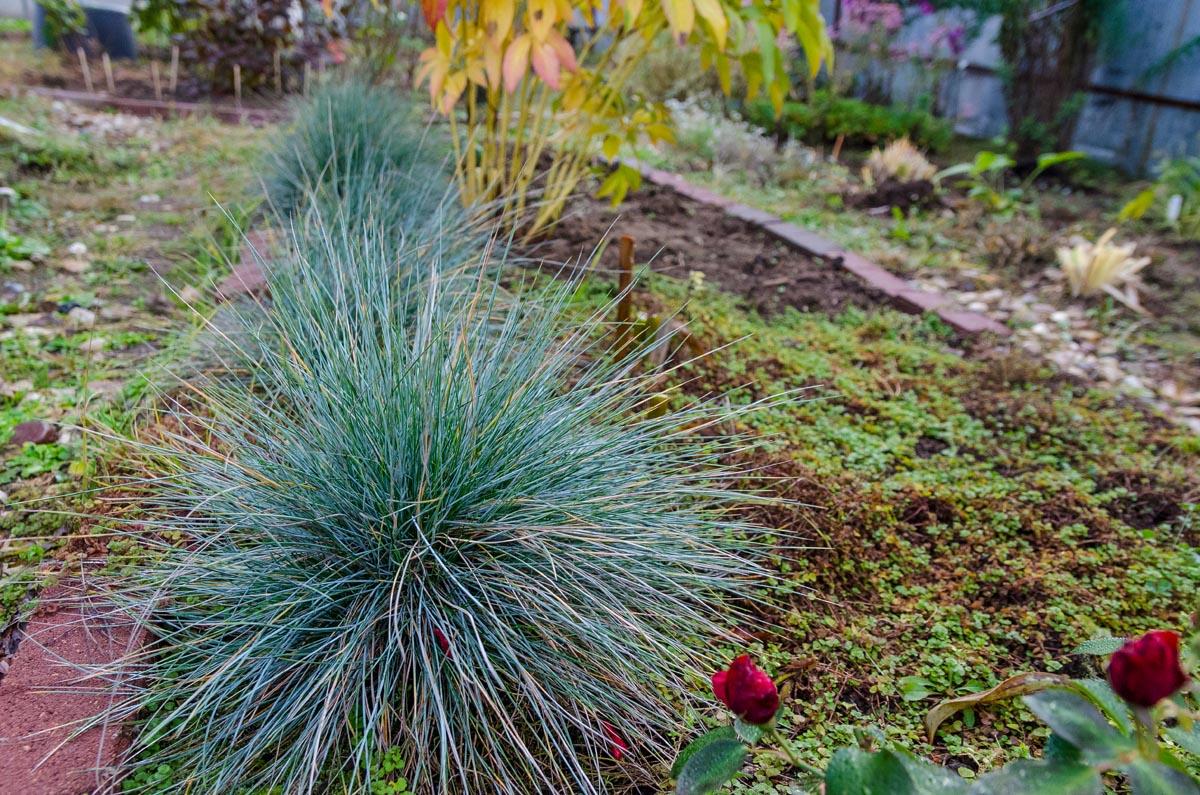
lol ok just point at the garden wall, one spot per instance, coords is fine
(1136, 114)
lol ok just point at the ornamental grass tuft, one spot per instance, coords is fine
(432, 529)
(346, 130)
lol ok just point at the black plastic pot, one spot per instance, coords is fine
(110, 28)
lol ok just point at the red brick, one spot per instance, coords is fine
(802, 239)
(972, 322)
(887, 283)
(751, 215)
(918, 301)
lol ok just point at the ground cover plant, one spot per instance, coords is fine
(114, 215)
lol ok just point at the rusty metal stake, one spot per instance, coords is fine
(625, 279)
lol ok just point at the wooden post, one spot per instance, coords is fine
(87, 71)
(278, 70)
(624, 280)
(108, 73)
(173, 77)
(157, 80)
(237, 84)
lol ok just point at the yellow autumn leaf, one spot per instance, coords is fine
(497, 18)
(712, 13)
(455, 84)
(681, 17)
(540, 18)
(491, 63)
(633, 9)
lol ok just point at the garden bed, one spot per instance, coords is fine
(678, 236)
(968, 517)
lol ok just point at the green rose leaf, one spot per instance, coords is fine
(1041, 777)
(1187, 740)
(1154, 778)
(1101, 694)
(1077, 721)
(749, 733)
(853, 771)
(719, 733)
(712, 765)
(1099, 646)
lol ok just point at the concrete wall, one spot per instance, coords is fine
(16, 8)
(1131, 120)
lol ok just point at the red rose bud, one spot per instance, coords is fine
(747, 691)
(616, 744)
(1146, 670)
(442, 641)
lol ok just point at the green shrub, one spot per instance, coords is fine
(431, 527)
(827, 116)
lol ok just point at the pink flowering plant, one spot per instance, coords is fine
(1140, 725)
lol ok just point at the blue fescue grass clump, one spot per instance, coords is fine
(433, 526)
(348, 131)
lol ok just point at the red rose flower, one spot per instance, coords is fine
(1146, 670)
(747, 691)
(616, 744)
(442, 641)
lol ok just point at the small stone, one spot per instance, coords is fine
(34, 432)
(116, 312)
(74, 264)
(189, 295)
(12, 289)
(93, 345)
(77, 249)
(22, 265)
(126, 218)
(1110, 370)
(1061, 318)
(149, 198)
(978, 306)
(1134, 384)
(81, 317)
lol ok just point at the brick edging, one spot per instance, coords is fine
(161, 109)
(903, 295)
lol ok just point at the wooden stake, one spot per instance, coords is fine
(87, 71)
(278, 70)
(108, 73)
(173, 78)
(154, 77)
(237, 84)
(837, 146)
(624, 280)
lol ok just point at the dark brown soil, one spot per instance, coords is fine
(678, 235)
(893, 193)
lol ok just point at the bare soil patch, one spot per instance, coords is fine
(678, 236)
